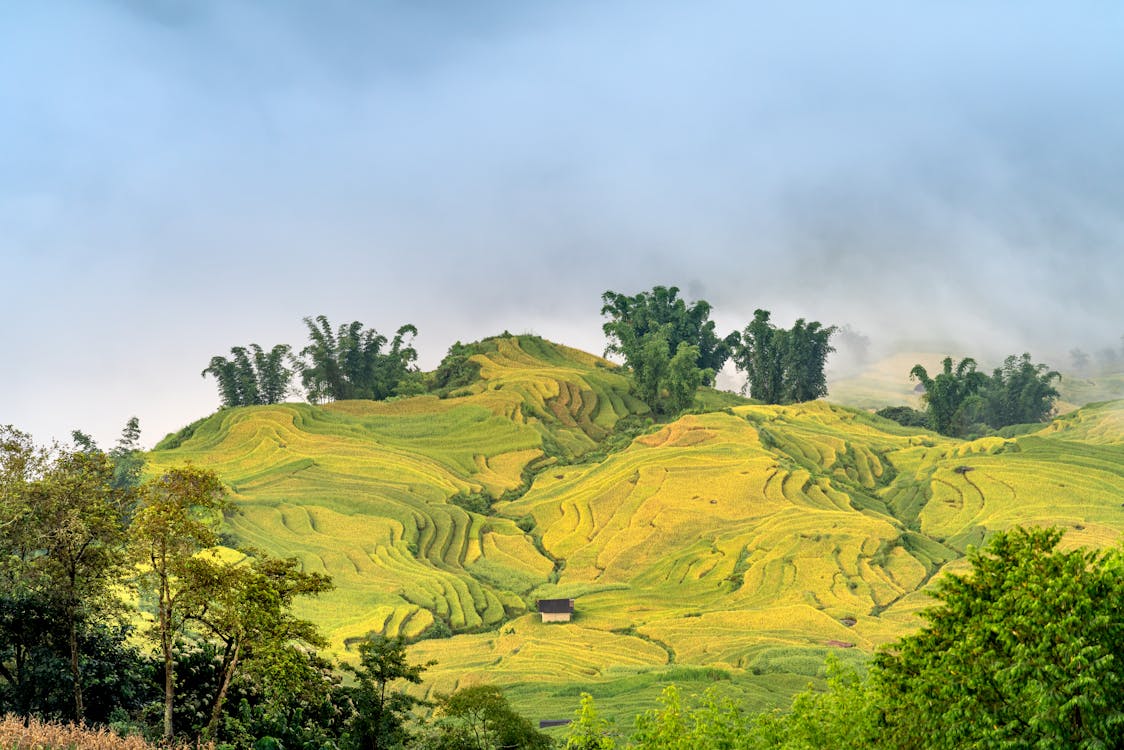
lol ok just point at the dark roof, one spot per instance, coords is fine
(555, 606)
(546, 723)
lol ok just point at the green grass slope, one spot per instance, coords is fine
(734, 548)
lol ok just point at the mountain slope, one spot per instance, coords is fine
(361, 490)
(741, 545)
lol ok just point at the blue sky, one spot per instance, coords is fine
(177, 178)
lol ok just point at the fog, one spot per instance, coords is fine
(177, 178)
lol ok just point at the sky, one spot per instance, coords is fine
(178, 177)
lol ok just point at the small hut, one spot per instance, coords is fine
(556, 610)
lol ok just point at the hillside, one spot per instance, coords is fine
(735, 547)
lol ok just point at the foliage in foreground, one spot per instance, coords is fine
(1025, 651)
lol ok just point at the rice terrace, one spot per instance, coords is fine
(742, 543)
(529, 526)
(561, 376)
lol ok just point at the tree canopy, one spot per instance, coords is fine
(670, 346)
(947, 395)
(252, 377)
(352, 361)
(381, 710)
(784, 366)
(1020, 392)
(960, 399)
(1025, 651)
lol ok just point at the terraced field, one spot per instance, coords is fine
(361, 490)
(733, 548)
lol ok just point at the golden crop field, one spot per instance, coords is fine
(737, 546)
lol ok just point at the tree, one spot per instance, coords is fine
(246, 609)
(252, 377)
(633, 319)
(381, 711)
(784, 366)
(670, 347)
(80, 535)
(1079, 360)
(904, 415)
(350, 363)
(1020, 392)
(127, 457)
(805, 356)
(457, 369)
(589, 731)
(61, 563)
(760, 355)
(949, 396)
(1025, 651)
(480, 718)
(176, 521)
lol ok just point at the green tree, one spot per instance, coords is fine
(633, 319)
(246, 609)
(80, 536)
(760, 355)
(381, 711)
(784, 366)
(805, 357)
(1025, 651)
(589, 731)
(904, 415)
(480, 718)
(176, 521)
(1020, 392)
(252, 377)
(127, 457)
(846, 714)
(951, 398)
(350, 363)
(26, 615)
(457, 369)
(665, 729)
(61, 565)
(670, 346)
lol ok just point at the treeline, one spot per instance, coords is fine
(348, 362)
(672, 348)
(961, 401)
(88, 551)
(1024, 651)
(669, 347)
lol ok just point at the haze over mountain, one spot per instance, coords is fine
(179, 178)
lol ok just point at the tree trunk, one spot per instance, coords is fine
(227, 676)
(75, 671)
(169, 666)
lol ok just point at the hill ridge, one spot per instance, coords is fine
(751, 539)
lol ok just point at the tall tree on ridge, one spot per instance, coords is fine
(252, 377)
(633, 319)
(670, 346)
(784, 366)
(351, 363)
(950, 395)
(1020, 392)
